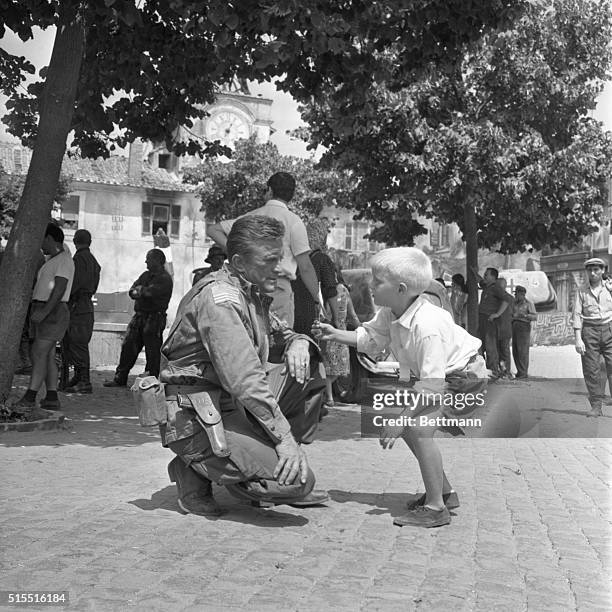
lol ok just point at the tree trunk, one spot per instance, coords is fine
(34, 212)
(471, 264)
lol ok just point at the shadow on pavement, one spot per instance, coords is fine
(393, 504)
(235, 511)
(342, 423)
(104, 418)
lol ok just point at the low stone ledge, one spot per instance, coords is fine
(48, 421)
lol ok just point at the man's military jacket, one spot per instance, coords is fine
(221, 336)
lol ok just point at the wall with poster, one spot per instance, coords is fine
(552, 329)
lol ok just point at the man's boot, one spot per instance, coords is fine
(194, 491)
(595, 411)
(80, 383)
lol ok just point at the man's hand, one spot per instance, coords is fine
(323, 331)
(291, 462)
(38, 315)
(492, 317)
(136, 292)
(580, 348)
(297, 360)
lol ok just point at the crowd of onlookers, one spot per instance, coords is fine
(62, 309)
(504, 320)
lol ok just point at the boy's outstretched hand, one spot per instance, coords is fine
(322, 331)
(389, 434)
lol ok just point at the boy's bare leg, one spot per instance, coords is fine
(446, 485)
(428, 455)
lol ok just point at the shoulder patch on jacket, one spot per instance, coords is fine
(224, 292)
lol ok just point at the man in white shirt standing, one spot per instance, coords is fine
(49, 319)
(280, 190)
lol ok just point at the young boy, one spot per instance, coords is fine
(430, 346)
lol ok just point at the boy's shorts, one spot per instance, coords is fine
(458, 406)
(53, 327)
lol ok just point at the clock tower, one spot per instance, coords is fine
(227, 123)
(236, 114)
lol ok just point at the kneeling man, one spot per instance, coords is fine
(215, 361)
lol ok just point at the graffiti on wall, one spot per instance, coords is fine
(553, 328)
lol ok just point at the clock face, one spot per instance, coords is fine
(227, 127)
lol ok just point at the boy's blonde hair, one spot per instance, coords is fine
(407, 265)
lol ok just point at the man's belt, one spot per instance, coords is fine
(204, 400)
(599, 323)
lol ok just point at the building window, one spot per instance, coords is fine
(163, 161)
(354, 237)
(164, 216)
(439, 235)
(70, 212)
(17, 161)
(66, 214)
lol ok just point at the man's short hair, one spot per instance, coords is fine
(252, 229)
(82, 236)
(407, 265)
(159, 255)
(55, 232)
(282, 185)
(494, 272)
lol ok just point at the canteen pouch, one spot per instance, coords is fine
(209, 417)
(150, 401)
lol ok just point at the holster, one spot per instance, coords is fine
(208, 416)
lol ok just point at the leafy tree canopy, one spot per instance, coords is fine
(506, 132)
(228, 190)
(149, 66)
(11, 187)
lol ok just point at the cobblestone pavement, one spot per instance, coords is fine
(90, 510)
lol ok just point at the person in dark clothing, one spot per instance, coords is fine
(84, 286)
(493, 301)
(306, 310)
(151, 293)
(523, 313)
(504, 333)
(215, 257)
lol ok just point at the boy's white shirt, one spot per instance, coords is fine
(425, 340)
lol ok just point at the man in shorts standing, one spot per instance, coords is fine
(49, 320)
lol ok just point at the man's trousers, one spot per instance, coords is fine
(249, 470)
(76, 343)
(521, 340)
(597, 343)
(145, 329)
(488, 334)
